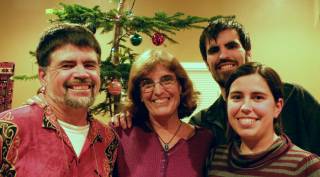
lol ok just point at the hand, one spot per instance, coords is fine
(122, 119)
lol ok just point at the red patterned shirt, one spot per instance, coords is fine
(33, 144)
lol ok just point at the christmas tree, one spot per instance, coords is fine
(125, 26)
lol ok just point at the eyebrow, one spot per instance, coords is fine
(75, 61)
(65, 62)
(232, 43)
(91, 62)
(252, 93)
(213, 47)
(166, 75)
(235, 92)
(259, 93)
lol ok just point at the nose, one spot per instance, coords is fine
(223, 53)
(158, 88)
(246, 107)
(81, 72)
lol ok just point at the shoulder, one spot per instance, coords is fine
(129, 133)
(293, 87)
(17, 122)
(297, 92)
(202, 115)
(119, 130)
(23, 113)
(301, 153)
(297, 98)
(297, 151)
(204, 132)
(105, 130)
(290, 87)
(103, 126)
(307, 161)
(303, 156)
(199, 135)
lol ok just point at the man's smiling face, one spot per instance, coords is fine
(225, 55)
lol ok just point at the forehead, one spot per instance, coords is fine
(158, 71)
(224, 37)
(253, 83)
(72, 53)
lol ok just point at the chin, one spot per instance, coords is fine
(162, 114)
(83, 102)
(248, 136)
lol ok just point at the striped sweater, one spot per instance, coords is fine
(282, 159)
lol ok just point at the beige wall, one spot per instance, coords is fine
(283, 33)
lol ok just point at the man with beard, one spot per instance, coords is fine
(55, 134)
(224, 46)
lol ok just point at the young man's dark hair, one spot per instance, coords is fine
(218, 25)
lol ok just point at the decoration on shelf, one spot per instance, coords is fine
(114, 87)
(135, 39)
(125, 25)
(158, 38)
(6, 85)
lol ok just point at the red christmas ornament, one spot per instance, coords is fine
(158, 38)
(114, 87)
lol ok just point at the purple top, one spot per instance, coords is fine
(141, 154)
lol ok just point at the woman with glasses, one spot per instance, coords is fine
(159, 144)
(257, 145)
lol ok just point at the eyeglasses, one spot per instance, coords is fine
(148, 85)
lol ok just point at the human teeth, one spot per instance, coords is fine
(247, 122)
(160, 100)
(228, 66)
(80, 87)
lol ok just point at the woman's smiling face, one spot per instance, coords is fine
(163, 99)
(252, 108)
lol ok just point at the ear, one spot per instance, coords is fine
(278, 107)
(42, 76)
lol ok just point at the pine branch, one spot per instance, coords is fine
(94, 18)
(124, 23)
(25, 77)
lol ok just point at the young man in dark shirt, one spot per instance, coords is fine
(224, 46)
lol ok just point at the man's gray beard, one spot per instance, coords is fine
(82, 102)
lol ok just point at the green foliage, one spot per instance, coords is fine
(118, 64)
(95, 18)
(25, 77)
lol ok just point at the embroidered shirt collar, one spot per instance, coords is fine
(49, 119)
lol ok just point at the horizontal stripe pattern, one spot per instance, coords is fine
(293, 162)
